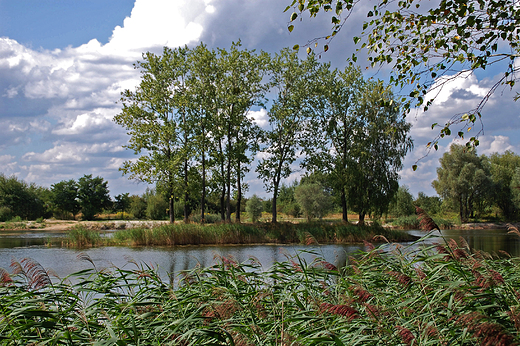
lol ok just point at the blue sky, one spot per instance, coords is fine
(64, 63)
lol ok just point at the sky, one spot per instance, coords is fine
(63, 65)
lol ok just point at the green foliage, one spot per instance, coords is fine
(137, 207)
(65, 196)
(254, 208)
(432, 205)
(502, 169)
(156, 207)
(424, 43)
(93, 196)
(17, 198)
(402, 204)
(464, 180)
(80, 236)
(313, 200)
(5, 213)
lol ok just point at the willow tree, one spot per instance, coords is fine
(295, 84)
(153, 115)
(363, 143)
(463, 179)
(380, 143)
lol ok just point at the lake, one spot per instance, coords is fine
(63, 261)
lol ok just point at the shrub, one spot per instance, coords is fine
(254, 208)
(5, 214)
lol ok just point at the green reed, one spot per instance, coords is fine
(235, 233)
(80, 236)
(390, 295)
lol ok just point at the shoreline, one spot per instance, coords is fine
(66, 225)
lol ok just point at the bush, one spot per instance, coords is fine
(208, 218)
(254, 208)
(156, 207)
(5, 214)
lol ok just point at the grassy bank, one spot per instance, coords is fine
(234, 233)
(443, 295)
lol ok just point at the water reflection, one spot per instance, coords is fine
(495, 242)
(170, 260)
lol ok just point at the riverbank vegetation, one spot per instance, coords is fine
(392, 295)
(234, 233)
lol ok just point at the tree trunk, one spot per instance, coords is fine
(228, 194)
(239, 195)
(344, 205)
(203, 197)
(275, 197)
(186, 194)
(361, 218)
(223, 195)
(170, 205)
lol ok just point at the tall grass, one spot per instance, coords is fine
(444, 294)
(80, 236)
(196, 234)
(411, 222)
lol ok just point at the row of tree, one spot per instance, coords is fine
(189, 121)
(468, 184)
(472, 184)
(88, 195)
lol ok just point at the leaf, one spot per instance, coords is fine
(294, 15)
(325, 48)
(356, 39)
(290, 28)
(309, 50)
(296, 47)
(414, 167)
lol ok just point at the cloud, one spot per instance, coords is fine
(57, 106)
(259, 117)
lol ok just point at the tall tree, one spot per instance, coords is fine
(362, 144)
(463, 179)
(239, 88)
(380, 143)
(402, 204)
(295, 83)
(93, 196)
(425, 42)
(503, 167)
(154, 116)
(331, 147)
(65, 196)
(202, 94)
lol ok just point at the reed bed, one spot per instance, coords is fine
(235, 233)
(445, 294)
(80, 236)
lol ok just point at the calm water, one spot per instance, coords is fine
(174, 259)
